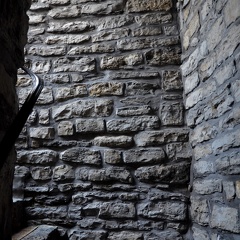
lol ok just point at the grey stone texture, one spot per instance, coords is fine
(105, 152)
(210, 40)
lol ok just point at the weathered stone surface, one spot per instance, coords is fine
(41, 66)
(171, 113)
(41, 173)
(90, 125)
(125, 235)
(133, 111)
(112, 156)
(114, 22)
(229, 165)
(200, 234)
(133, 124)
(164, 210)
(156, 138)
(64, 93)
(83, 108)
(163, 57)
(42, 133)
(172, 174)
(117, 210)
(106, 89)
(47, 51)
(66, 39)
(37, 157)
(199, 210)
(97, 235)
(154, 18)
(143, 156)
(105, 175)
(69, 27)
(172, 80)
(207, 186)
(65, 12)
(139, 88)
(94, 48)
(44, 117)
(225, 218)
(141, 5)
(229, 189)
(63, 172)
(82, 64)
(147, 31)
(104, 8)
(65, 128)
(113, 34)
(134, 44)
(46, 96)
(81, 155)
(44, 212)
(116, 62)
(109, 141)
(178, 151)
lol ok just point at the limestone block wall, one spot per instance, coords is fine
(210, 39)
(105, 153)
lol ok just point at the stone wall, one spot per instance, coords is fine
(105, 152)
(13, 25)
(210, 39)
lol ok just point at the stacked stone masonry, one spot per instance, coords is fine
(105, 153)
(210, 35)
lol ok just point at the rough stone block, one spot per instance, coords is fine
(172, 81)
(105, 8)
(44, 117)
(176, 211)
(43, 66)
(114, 22)
(199, 211)
(156, 138)
(166, 56)
(200, 234)
(46, 51)
(133, 111)
(83, 108)
(154, 18)
(125, 235)
(41, 173)
(229, 189)
(90, 125)
(144, 156)
(113, 34)
(63, 172)
(42, 133)
(226, 218)
(178, 151)
(65, 12)
(81, 64)
(112, 156)
(69, 27)
(133, 124)
(46, 96)
(81, 155)
(207, 186)
(147, 31)
(65, 93)
(66, 39)
(37, 157)
(116, 174)
(117, 210)
(140, 88)
(113, 141)
(116, 62)
(151, 5)
(65, 128)
(106, 89)
(171, 113)
(170, 174)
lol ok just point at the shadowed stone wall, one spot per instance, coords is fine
(211, 72)
(13, 25)
(105, 152)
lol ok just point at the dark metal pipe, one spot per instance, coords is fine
(18, 123)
